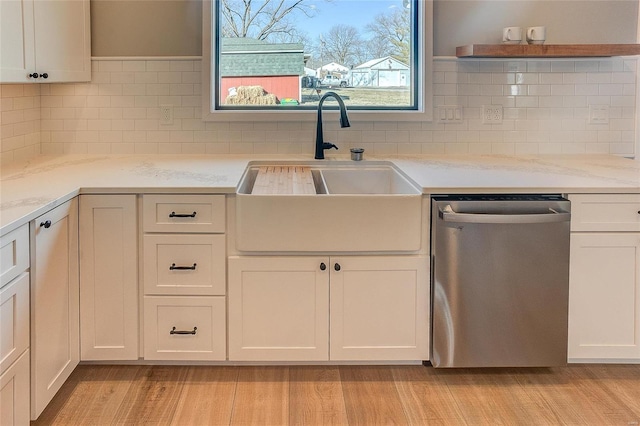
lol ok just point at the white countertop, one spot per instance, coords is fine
(29, 189)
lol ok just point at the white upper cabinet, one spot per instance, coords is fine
(50, 39)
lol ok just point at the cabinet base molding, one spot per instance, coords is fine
(255, 363)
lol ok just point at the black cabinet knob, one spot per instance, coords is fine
(45, 224)
(45, 75)
(34, 75)
(336, 266)
(323, 266)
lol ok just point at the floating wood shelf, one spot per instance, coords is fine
(546, 50)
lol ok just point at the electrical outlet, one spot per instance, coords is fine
(491, 114)
(450, 114)
(598, 114)
(166, 114)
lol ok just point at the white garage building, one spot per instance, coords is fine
(381, 72)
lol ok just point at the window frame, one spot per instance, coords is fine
(424, 111)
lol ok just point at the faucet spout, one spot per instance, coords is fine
(321, 145)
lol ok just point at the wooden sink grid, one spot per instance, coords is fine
(284, 180)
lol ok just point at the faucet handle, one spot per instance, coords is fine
(328, 145)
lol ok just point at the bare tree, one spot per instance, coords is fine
(261, 19)
(376, 47)
(341, 44)
(394, 29)
(295, 36)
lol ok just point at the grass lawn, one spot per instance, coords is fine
(353, 96)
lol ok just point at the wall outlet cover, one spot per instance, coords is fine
(492, 114)
(166, 114)
(598, 114)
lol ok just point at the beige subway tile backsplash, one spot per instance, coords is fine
(546, 111)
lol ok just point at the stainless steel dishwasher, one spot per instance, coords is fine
(500, 280)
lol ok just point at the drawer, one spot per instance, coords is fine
(14, 254)
(605, 212)
(14, 393)
(184, 264)
(14, 320)
(184, 328)
(184, 213)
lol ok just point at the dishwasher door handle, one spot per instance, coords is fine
(449, 215)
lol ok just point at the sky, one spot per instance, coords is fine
(356, 13)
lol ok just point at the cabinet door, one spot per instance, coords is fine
(17, 58)
(278, 309)
(55, 349)
(108, 277)
(380, 308)
(45, 36)
(14, 393)
(604, 296)
(14, 320)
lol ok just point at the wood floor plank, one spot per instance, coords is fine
(609, 405)
(495, 397)
(622, 381)
(100, 397)
(425, 396)
(62, 402)
(262, 396)
(315, 396)
(573, 398)
(207, 396)
(154, 398)
(371, 397)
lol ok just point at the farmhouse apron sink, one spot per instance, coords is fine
(327, 207)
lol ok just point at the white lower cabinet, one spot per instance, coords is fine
(55, 346)
(278, 309)
(185, 328)
(604, 295)
(184, 272)
(604, 283)
(328, 308)
(108, 278)
(14, 393)
(14, 352)
(184, 264)
(379, 308)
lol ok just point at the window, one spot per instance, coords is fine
(274, 59)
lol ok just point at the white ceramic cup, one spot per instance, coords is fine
(536, 35)
(511, 35)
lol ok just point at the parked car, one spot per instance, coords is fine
(332, 80)
(309, 81)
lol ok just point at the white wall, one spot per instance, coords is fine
(546, 102)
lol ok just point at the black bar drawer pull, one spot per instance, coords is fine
(174, 331)
(173, 267)
(174, 214)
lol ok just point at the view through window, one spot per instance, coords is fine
(275, 54)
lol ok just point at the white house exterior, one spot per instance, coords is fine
(381, 72)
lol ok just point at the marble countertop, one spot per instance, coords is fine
(31, 188)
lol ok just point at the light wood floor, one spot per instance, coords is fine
(353, 395)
